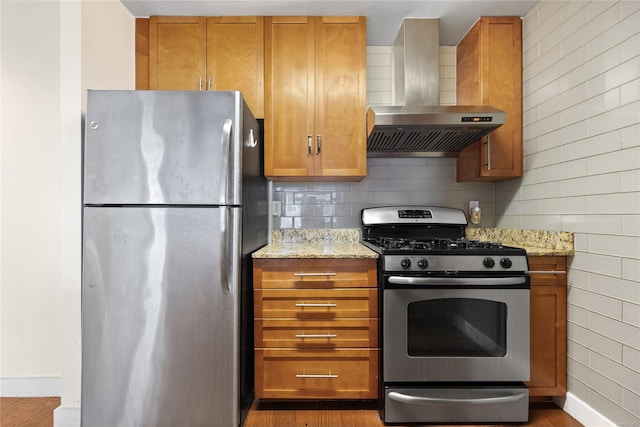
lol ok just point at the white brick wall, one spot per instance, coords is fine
(582, 174)
(429, 181)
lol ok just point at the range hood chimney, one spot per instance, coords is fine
(417, 126)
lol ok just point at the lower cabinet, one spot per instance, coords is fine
(548, 326)
(316, 328)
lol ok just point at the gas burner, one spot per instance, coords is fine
(395, 243)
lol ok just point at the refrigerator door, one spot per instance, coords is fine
(163, 147)
(160, 316)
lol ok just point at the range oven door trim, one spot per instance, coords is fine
(456, 404)
(400, 367)
(459, 281)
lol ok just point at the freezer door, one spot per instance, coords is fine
(160, 317)
(163, 147)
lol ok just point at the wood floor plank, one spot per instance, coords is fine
(334, 414)
(38, 412)
(27, 412)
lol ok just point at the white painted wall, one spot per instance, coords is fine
(51, 52)
(582, 174)
(30, 198)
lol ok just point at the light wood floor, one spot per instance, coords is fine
(38, 412)
(27, 412)
(263, 414)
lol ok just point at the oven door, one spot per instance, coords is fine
(453, 334)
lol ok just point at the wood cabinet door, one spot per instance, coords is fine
(489, 64)
(289, 98)
(315, 97)
(234, 59)
(340, 104)
(548, 326)
(177, 46)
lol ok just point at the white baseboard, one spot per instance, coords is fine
(30, 387)
(585, 414)
(66, 417)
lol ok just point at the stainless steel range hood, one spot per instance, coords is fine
(417, 126)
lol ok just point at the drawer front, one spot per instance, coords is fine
(548, 271)
(316, 374)
(315, 303)
(290, 333)
(314, 273)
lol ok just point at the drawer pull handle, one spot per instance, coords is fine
(305, 375)
(313, 274)
(304, 304)
(303, 335)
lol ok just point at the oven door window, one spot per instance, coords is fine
(457, 327)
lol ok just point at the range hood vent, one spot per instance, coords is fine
(418, 127)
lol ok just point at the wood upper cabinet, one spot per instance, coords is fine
(548, 326)
(315, 98)
(489, 72)
(235, 57)
(177, 52)
(198, 53)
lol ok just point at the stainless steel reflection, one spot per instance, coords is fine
(156, 142)
(513, 365)
(416, 126)
(174, 203)
(456, 404)
(152, 316)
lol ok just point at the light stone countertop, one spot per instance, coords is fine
(535, 242)
(315, 243)
(345, 243)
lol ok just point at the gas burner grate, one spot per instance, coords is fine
(395, 243)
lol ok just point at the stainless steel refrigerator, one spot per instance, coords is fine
(174, 202)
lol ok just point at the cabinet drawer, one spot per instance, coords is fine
(314, 273)
(315, 303)
(289, 333)
(548, 271)
(316, 374)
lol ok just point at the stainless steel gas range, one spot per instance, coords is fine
(455, 319)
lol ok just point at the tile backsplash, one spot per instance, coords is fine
(389, 181)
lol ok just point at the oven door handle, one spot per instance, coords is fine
(446, 401)
(449, 281)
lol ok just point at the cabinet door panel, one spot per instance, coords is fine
(340, 96)
(235, 52)
(489, 72)
(548, 326)
(504, 47)
(294, 333)
(177, 47)
(289, 109)
(315, 303)
(316, 273)
(317, 374)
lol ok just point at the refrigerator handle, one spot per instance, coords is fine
(230, 242)
(226, 143)
(224, 249)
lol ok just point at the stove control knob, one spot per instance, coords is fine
(405, 263)
(506, 263)
(488, 262)
(423, 263)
